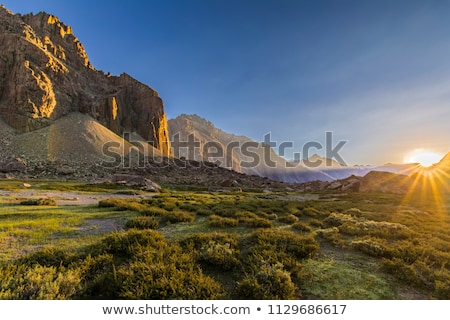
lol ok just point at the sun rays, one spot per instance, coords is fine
(428, 185)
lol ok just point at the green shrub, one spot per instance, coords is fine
(167, 273)
(49, 256)
(203, 211)
(381, 229)
(257, 223)
(271, 282)
(401, 270)
(127, 243)
(38, 282)
(220, 222)
(332, 235)
(112, 203)
(265, 215)
(355, 212)
(442, 289)
(190, 207)
(142, 222)
(178, 216)
(301, 226)
(289, 219)
(251, 220)
(122, 204)
(309, 212)
(372, 247)
(284, 241)
(199, 240)
(337, 219)
(224, 210)
(316, 223)
(219, 254)
(39, 202)
(99, 278)
(154, 211)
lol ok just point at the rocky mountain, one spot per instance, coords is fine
(45, 75)
(444, 164)
(196, 138)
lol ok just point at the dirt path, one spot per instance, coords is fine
(65, 198)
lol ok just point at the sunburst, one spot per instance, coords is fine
(423, 157)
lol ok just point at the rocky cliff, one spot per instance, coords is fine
(45, 74)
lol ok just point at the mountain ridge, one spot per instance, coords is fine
(235, 152)
(204, 131)
(46, 74)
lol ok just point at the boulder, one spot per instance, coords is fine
(13, 165)
(135, 181)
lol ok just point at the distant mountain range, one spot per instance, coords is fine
(241, 157)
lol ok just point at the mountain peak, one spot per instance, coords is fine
(445, 162)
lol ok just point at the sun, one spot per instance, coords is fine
(425, 158)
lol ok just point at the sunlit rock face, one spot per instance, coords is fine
(45, 74)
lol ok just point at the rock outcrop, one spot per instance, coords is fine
(45, 74)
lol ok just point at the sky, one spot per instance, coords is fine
(374, 73)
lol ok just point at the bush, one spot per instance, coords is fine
(332, 235)
(225, 211)
(38, 282)
(48, 257)
(271, 216)
(167, 273)
(301, 226)
(200, 240)
(372, 247)
(284, 241)
(316, 223)
(355, 212)
(271, 282)
(402, 271)
(310, 212)
(220, 222)
(39, 202)
(142, 222)
(127, 243)
(258, 223)
(221, 255)
(178, 216)
(203, 212)
(337, 219)
(154, 211)
(99, 278)
(381, 229)
(442, 289)
(122, 204)
(190, 207)
(251, 220)
(289, 219)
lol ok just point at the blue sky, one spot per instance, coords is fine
(375, 73)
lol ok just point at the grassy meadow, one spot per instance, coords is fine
(247, 244)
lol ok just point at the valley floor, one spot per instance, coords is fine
(71, 240)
